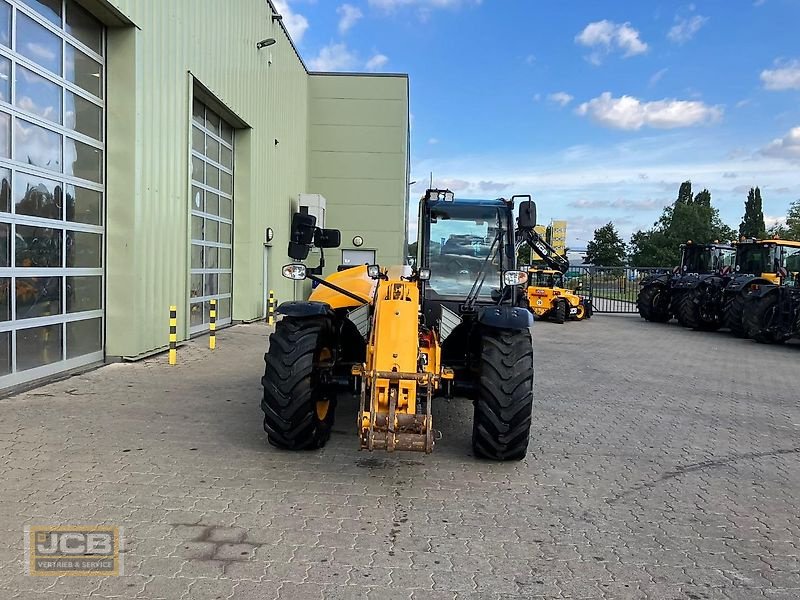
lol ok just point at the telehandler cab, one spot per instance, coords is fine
(405, 335)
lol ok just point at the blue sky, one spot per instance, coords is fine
(598, 109)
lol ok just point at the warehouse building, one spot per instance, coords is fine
(152, 153)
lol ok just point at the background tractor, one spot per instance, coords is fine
(404, 335)
(771, 313)
(660, 295)
(698, 300)
(759, 265)
(547, 298)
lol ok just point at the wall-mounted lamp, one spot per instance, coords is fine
(269, 234)
(265, 43)
(358, 241)
(277, 17)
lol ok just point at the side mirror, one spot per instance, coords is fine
(301, 236)
(328, 238)
(527, 215)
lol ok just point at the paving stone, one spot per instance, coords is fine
(662, 465)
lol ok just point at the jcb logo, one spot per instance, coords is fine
(79, 543)
(90, 550)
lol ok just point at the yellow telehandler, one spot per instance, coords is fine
(403, 335)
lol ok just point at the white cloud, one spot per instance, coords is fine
(296, 24)
(620, 203)
(606, 36)
(785, 76)
(685, 28)
(338, 57)
(627, 112)
(787, 147)
(334, 57)
(427, 4)
(377, 62)
(433, 141)
(349, 15)
(560, 98)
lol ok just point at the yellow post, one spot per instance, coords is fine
(212, 338)
(173, 335)
(271, 304)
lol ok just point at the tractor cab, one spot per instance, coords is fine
(707, 258)
(770, 259)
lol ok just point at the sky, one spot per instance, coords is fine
(599, 109)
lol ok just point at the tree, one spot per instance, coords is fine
(607, 249)
(753, 221)
(790, 229)
(689, 218)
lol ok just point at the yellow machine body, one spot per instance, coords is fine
(402, 368)
(543, 293)
(354, 280)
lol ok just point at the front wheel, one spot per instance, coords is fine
(502, 420)
(298, 404)
(560, 312)
(761, 320)
(653, 303)
(733, 317)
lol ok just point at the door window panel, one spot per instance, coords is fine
(38, 346)
(38, 95)
(84, 293)
(38, 44)
(37, 197)
(84, 337)
(38, 247)
(38, 297)
(83, 71)
(35, 145)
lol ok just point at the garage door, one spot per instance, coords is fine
(212, 218)
(52, 81)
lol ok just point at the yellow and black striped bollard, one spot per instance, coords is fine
(212, 315)
(173, 335)
(271, 305)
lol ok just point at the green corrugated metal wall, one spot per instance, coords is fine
(360, 127)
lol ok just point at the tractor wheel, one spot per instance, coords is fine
(298, 406)
(560, 312)
(653, 303)
(688, 313)
(759, 320)
(733, 316)
(581, 314)
(502, 421)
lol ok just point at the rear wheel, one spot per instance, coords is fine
(653, 303)
(298, 404)
(733, 317)
(761, 320)
(560, 312)
(502, 421)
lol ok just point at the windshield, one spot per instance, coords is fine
(697, 259)
(756, 259)
(461, 240)
(542, 279)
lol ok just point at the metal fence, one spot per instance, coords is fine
(610, 289)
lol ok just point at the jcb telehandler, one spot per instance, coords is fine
(771, 313)
(405, 335)
(547, 298)
(661, 294)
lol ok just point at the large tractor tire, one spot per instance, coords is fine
(759, 317)
(502, 421)
(581, 313)
(688, 313)
(653, 303)
(733, 317)
(298, 405)
(560, 312)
